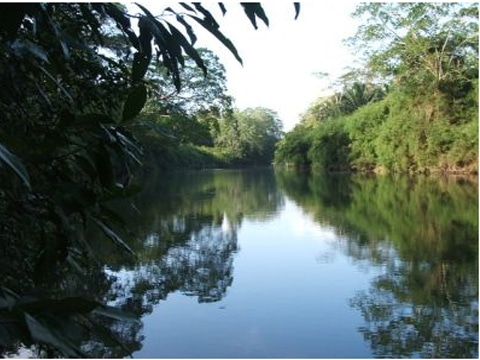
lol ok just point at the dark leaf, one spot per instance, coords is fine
(123, 21)
(254, 10)
(7, 298)
(145, 38)
(86, 165)
(146, 11)
(66, 306)
(170, 43)
(140, 65)
(93, 119)
(134, 103)
(104, 166)
(191, 34)
(74, 264)
(14, 163)
(190, 50)
(63, 39)
(112, 215)
(57, 83)
(188, 7)
(223, 8)
(128, 142)
(215, 32)
(116, 314)
(32, 48)
(207, 16)
(112, 235)
(297, 9)
(43, 333)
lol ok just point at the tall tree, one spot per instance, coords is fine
(422, 45)
(200, 92)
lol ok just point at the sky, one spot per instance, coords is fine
(280, 62)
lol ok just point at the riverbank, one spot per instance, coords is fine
(400, 133)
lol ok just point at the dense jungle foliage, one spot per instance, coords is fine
(83, 84)
(413, 107)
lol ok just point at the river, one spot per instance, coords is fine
(270, 264)
(257, 263)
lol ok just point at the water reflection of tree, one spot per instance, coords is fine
(424, 233)
(184, 234)
(201, 266)
(421, 308)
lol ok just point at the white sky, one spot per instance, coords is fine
(279, 61)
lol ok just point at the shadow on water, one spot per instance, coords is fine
(423, 232)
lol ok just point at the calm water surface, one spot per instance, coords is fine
(252, 263)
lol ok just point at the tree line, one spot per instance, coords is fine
(199, 126)
(411, 107)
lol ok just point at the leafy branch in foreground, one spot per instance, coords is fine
(68, 102)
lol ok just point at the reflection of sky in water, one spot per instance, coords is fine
(283, 302)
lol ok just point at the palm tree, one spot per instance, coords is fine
(358, 95)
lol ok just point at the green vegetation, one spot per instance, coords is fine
(413, 108)
(210, 140)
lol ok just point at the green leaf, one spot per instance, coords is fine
(14, 163)
(135, 102)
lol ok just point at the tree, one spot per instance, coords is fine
(189, 116)
(260, 129)
(252, 134)
(293, 148)
(200, 92)
(358, 95)
(424, 46)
